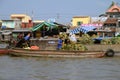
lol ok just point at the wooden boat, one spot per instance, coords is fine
(4, 48)
(56, 53)
(4, 51)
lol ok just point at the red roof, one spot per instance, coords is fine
(114, 8)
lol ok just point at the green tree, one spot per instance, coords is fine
(111, 4)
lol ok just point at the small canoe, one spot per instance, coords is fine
(4, 51)
(56, 53)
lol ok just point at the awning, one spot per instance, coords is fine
(49, 25)
(76, 30)
(82, 29)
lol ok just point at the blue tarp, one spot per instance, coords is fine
(3, 27)
(76, 30)
(83, 29)
(101, 38)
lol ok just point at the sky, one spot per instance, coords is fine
(60, 10)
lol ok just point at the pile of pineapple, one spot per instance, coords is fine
(73, 46)
(82, 41)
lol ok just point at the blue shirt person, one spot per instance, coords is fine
(27, 37)
(60, 41)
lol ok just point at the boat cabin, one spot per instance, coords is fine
(5, 35)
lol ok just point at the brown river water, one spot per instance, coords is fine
(32, 68)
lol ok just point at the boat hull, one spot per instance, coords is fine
(4, 51)
(56, 53)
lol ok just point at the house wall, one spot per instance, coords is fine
(23, 17)
(8, 23)
(82, 19)
(11, 23)
(27, 25)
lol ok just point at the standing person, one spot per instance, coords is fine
(3, 37)
(60, 41)
(20, 36)
(72, 38)
(44, 30)
(10, 40)
(67, 41)
(27, 38)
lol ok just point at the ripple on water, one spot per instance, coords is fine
(31, 68)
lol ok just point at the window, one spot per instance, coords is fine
(79, 23)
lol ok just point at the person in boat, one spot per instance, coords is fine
(60, 41)
(20, 36)
(10, 41)
(24, 41)
(72, 37)
(67, 41)
(27, 39)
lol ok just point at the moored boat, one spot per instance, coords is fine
(4, 51)
(56, 53)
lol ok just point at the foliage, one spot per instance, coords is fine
(85, 39)
(74, 47)
(114, 40)
(106, 41)
(63, 35)
(111, 4)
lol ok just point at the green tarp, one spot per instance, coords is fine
(49, 25)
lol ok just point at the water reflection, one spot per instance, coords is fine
(28, 68)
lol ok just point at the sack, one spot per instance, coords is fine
(34, 48)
